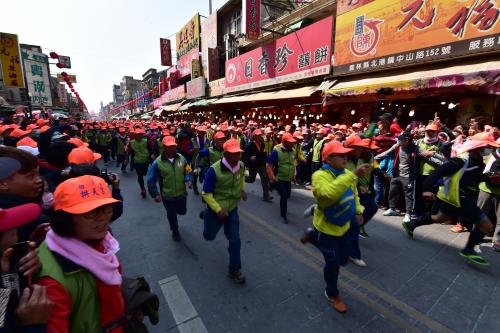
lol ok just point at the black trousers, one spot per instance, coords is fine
(264, 180)
(284, 189)
(398, 187)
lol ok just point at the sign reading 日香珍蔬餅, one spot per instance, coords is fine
(374, 35)
(302, 54)
(37, 77)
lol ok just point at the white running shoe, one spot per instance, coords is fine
(358, 262)
(309, 211)
(407, 218)
(391, 212)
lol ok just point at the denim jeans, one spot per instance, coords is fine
(335, 250)
(174, 207)
(380, 190)
(212, 225)
(353, 234)
(370, 206)
(284, 189)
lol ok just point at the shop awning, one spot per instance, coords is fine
(199, 103)
(483, 76)
(272, 95)
(172, 107)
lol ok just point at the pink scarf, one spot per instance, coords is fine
(234, 169)
(103, 266)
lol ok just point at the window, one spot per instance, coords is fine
(235, 23)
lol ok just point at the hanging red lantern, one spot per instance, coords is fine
(58, 65)
(64, 75)
(53, 55)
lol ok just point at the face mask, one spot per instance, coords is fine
(486, 152)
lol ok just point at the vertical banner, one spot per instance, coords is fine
(166, 52)
(251, 17)
(11, 61)
(37, 77)
(208, 41)
(188, 45)
(61, 93)
(195, 69)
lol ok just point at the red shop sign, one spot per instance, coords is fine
(302, 54)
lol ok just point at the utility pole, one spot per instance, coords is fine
(209, 7)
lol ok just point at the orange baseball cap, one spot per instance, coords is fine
(287, 137)
(169, 141)
(232, 146)
(27, 142)
(140, 131)
(31, 127)
(17, 133)
(334, 147)
(298, 135)
(354, 141)
(343, 127)
(257, 132)
(219, 135)
(78, 142)
(42, 122)
(224, 128)
(83, 155)
(44, 128)
(431, 127)
(82, 194)
(121, 129)
(202, 129)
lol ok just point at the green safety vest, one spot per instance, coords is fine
(425, 167)
(120, 146)
(268, 146)
(81, 287)
(318, 145)
(214, 155)
(173, 185)
(88, 136)
(286, 166)
(141, 152)
(228, 186)
(450, 191)
(489, 188)
(103, 139)
(351, 166)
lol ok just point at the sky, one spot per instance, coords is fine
(106, 39)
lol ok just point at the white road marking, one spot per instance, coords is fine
(185, 315)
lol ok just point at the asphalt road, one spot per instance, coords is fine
(416, 286)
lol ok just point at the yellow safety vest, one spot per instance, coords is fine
(450, 191)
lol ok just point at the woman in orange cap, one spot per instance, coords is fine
(80, 268)
(337, 210)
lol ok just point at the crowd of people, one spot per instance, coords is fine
(59, 266)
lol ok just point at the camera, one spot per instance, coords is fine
(108, 177)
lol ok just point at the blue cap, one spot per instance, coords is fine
(8, 167)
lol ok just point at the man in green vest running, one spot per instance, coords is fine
(172, 171)
(282, 159)
(208, 156)
(318, 144)
(103, 138)
(198, 142)
(140, 149)
(458, 196)
(122, 142)
(223, 188)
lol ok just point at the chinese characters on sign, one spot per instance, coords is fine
(189, 37)
(64, 61)
(166, 52)
(37, 77)
(11, 61)
(251, 16)
(393, 33)
(303, 54)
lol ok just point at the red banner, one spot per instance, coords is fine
(301, 54)
(251, 10)
(166, 52)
